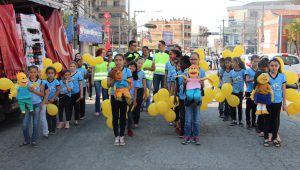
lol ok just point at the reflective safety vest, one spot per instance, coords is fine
(160, 60)
(101, 71)
(148, 74)
(112, 65)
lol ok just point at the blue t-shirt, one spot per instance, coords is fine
(126, 74)
(238, 78)
(51, 86)
(76, 78)
(171, 71)
(251, 73)
(181, 85)
(226, 77)
(221, 72)
(36, 99)
(83, 72)
(276, 84)
(23, 93)
(141, 76)
(63, 88)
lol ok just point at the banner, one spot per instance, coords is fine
(168, 37)
(89, 31)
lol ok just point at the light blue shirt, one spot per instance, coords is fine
(126, 73)
(76, 78)
(181, 85)
(83, 72)
(276, 84)
(141, 76)
(238, 78)
(251, 73)
(171, 71)
(63, 88)
(221, 72)
(36, 99)
(226, 77)
(51, 86)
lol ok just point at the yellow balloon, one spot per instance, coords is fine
(92, 62)
(200, 53)
(291, 109)
(281, 64)
(152, 110)
(52, 109)
(208, 95)
(155, 97)
(47, 62)
(86, 57)
(214, 80)
(291, 77)
(109, 90)
(171, 101)
(170, 116)
(204, 65)
(57, 66)
(292, 95)
(99, 60)
(216, 90)
(219, 97)
(297, 105)
(226, 53)
(104, 83)
(5, 84)
(109, 123)
(106, 108)
(226, 89)
(163, 95)
(238, 51)
(233, 100)
(203, 106)
(162, 107)
(147, 93)
(43, 74)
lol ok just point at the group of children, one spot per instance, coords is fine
(66, 92)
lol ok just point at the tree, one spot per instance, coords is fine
(293, 32)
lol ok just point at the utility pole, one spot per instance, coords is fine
(75, 18)
(244, 30)
(129, 23)
(119, 32)
(223, 38)
(262, 28)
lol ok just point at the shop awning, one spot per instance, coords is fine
(50, 3)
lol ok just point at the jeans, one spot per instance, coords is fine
(98, 90)
(158, 80)
(239, 107)
(192, 121)
(27, 120)
(44, 121)
(82, 104)
(149, 86)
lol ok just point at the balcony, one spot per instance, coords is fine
(112, 9)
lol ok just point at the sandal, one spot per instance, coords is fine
(24, 144)
(276, 143)
(266, 143)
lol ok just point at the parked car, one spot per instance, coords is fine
(247, 60)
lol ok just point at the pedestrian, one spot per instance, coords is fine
(184, 63)
(66, 86)
(148, 70)
(220, 75)
(37, 94)
(53, 87)
(81, 69)
(170, 71)
(77, 92)
(132, 54)
(119, 107)
(159, 63)
(249, 79)
(238, 79)
(89, 83)
(192, 111)
(43, 114)
(140, 88)
(272, 120)
(226, 78)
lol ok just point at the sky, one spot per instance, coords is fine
(207, 13)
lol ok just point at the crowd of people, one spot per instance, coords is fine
(141, 72)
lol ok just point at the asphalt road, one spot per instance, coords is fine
(154, 146)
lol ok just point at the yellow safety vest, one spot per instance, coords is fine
(148, 74)
(160, 60)
(101, 71)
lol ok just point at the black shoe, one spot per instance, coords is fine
(254, 125)
(225, 119)
(233, 123)
(241, 123)
(248, 126)
(221, 116)
(33, 144)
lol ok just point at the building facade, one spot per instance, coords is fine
(199, 37)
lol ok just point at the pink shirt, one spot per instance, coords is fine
(193, 83)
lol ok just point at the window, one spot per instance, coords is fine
(103, 4)
(253, 14)
(116, 3)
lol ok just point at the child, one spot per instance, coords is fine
(66, 86)
(133, 67)
(272, 120)
(192, 112)
(220, 75)
(237, 77)
(170, 71)
(81, 69)
(249, 79)
(226, 78)
(119, 108)
(37, 92)
(180, 92)
(53, 87)
(140, 89)
(77, 92)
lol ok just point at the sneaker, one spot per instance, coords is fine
(52, 133)
(186, 141)
(261, 134)
(225, 119)
(82, 118)
(117, 141)
(97, 114)
(248, 126)
(233, 123)
(60, 125)
(241, 123)
(67, 125)
(33, 144)
(122, 141)
(76, 123)
(197, 141)
(130, 133)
